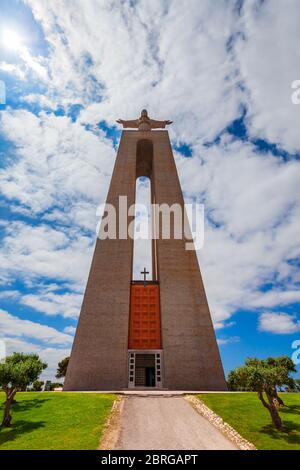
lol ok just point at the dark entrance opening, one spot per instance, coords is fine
(144, 370)
(150, 376)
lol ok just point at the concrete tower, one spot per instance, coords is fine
(157, 333)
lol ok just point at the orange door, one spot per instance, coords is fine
(144, 323)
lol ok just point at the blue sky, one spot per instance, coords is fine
(70, 70)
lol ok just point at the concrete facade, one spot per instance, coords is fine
(99, 354)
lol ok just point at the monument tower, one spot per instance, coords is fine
(154, 333)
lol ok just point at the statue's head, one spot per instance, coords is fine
(144, 113)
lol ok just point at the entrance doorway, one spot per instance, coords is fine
(145, 369)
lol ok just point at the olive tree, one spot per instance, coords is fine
(288, 365)
(264, 377)
(17, 372)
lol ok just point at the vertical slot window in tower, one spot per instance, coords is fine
(142, 247)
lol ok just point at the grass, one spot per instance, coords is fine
(56, 420)
(245, 413)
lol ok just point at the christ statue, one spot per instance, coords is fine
(144, 123)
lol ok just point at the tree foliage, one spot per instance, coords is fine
(37, 386)
(17, 372)
(62, 368)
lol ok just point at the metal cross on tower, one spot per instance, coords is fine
(145, 275)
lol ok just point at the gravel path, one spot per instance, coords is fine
(170, 423)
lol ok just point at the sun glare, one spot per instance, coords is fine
(11, 39)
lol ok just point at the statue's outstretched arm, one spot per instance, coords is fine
(159, 124)
(134, 123)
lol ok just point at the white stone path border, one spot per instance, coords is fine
(218, 422)
(112, 426)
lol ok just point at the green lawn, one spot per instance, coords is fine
(245, 413)
(56, 420)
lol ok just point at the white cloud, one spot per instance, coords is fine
(12, 326)
(57, 162)
(229, 340)
(218, 325)
(35, 64)
(9, 294)
(145, 56)
(42, 100)
(274, 298)
(13, 70)
(252, 229)
(30, 252)
(268, 58)
(70, 330)
(67, 304)
(279, 323)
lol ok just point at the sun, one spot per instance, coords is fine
(11, 39)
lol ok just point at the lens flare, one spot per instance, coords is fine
(11, 39)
